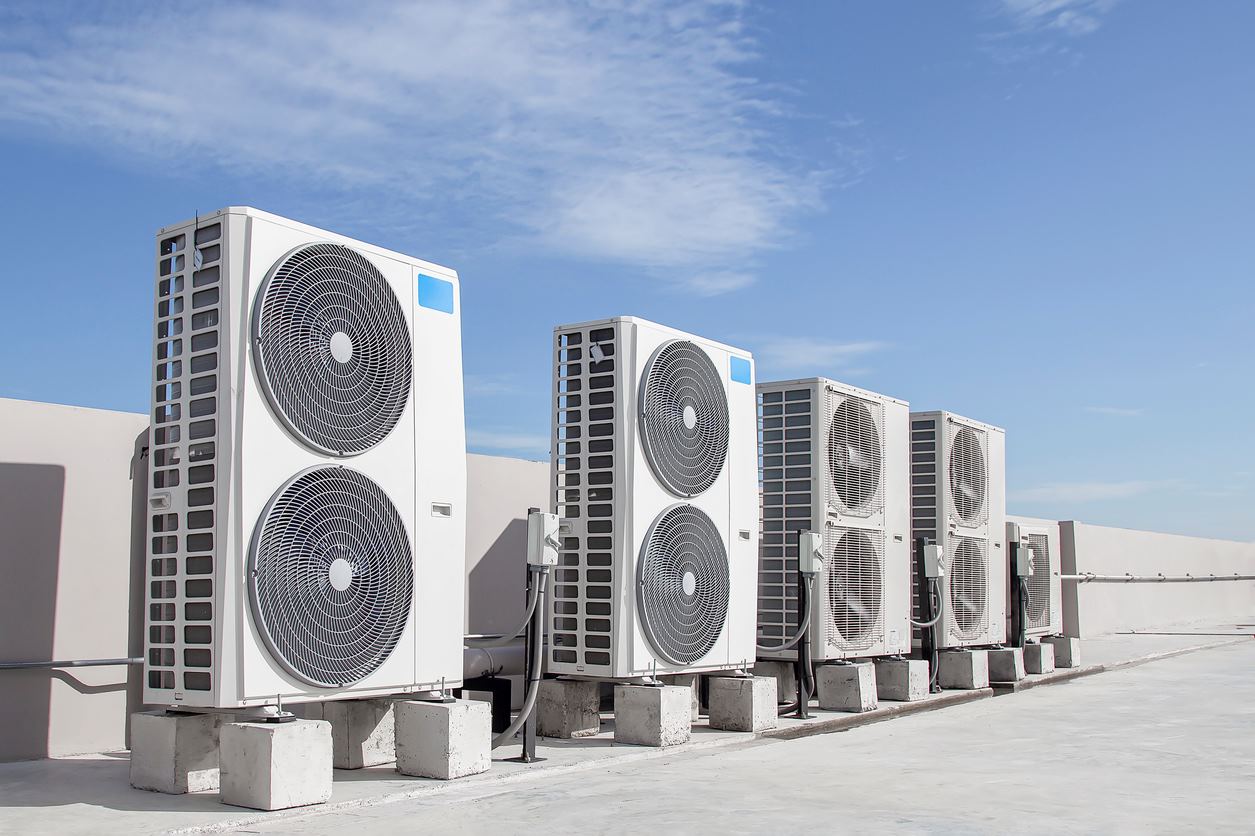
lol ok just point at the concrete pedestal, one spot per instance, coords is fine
(1067, 651)
(174, 753)
(650, 715)
(785, 675)
(691, 681)
(743, 703)
(846, 687)
(1006, 664)
(963, 670)
(443, 739)
(568, 708)
(1039, 658)
(362, 732)
(274, 766)
(902, 680)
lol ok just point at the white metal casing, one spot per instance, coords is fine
(799, 493)
(420, 465)
(1045, 604)
(934, 516)
(584, 639)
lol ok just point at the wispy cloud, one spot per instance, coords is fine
(509, 441)
(1071, 17)
(623, 131)
(490, 385)
(1090, 491)
(779, 355)
(1121, 411)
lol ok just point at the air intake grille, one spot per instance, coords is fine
(683, 585)
(923, 497)
(968, 582)
(855, 572)
(1038, 603)
(333, 349)
(856, 454)
(332, 576)
(968, 476)
(684, 418)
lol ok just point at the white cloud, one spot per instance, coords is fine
(490, 385)
(776, 355)
(1071, 17)
(1121, 411)
(1090, 491)
(616, 130)
(507, 440)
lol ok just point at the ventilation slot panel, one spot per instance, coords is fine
(924, 454)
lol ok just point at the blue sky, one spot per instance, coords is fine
(1038, 213)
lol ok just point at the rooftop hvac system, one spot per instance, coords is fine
(834, 462)
(958, 484)
(654, 466)
(307, 468)
(1044, 598)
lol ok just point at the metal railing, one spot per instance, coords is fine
(1090, 577)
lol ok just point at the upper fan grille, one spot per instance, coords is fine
(1039, 583)
(855, 455)
(684, 418)
(332, 576)
(968, 477)
(333, 348)
(683, 585)
(968, 589)
(855, 589)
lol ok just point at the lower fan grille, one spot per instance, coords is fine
(1039, 584)
(968, 589)
(855, 588)
(332, 577)
(683, 585)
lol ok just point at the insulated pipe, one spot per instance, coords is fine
(494, 661)
(1090, 577)
(71, 663)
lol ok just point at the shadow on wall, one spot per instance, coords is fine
(496, 587)
(139, 576)
(32, 498)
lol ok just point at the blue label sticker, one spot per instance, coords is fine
(740, 369)
(434, 293)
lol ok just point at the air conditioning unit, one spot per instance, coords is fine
(307, 468)
(654, 465)
(958, 499)
(1044, 603)
(834, 462)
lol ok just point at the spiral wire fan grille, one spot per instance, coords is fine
(683, 585)
(855, 587)
(332, 577)
(856, 454)
(333, 349)
(968, 476)
(684, 418)
(968, 589)
(1039, 584)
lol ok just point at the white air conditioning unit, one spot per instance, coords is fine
(958, 499)
(1044, 602)
(834, 462)
(654, 465)
(307, 468)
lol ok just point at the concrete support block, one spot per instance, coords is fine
(274, 766)
(692, 681)
(443, 739)
(362, 732)
(902, 680)
(174, 753)
(1006, 664)
(785, 675)
(1067, 651)
(650, 715)
(568, 708)
(743, 703)
(964, 670)
(846, 687)
(1039, 658)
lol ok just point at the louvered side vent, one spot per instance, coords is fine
(785, 420)
(923, 496)
(1039, 584)
(584, 458)
(183, 461)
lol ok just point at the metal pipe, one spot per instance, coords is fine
(1090, 577)
(71, 663)
(494, 661)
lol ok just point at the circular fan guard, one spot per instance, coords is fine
(854, 455)
(967, 475)
(682, 585)
(968, 588)
(855, 592)
(684, 418)
(331, 576)
(332, 348)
